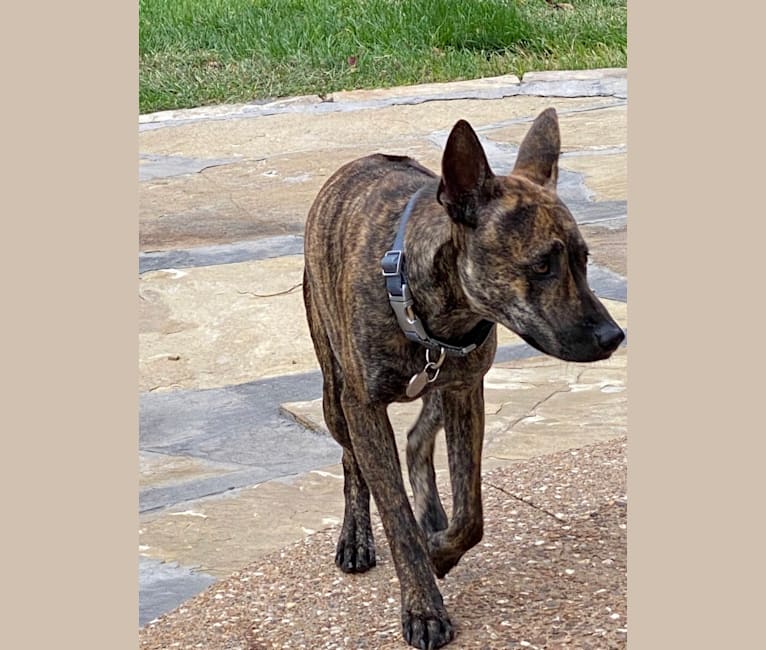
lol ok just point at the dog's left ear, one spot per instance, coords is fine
(538, 158)
(466, 176)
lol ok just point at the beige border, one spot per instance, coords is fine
(69, 326)
(691, 251)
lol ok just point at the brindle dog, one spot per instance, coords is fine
(479, 249)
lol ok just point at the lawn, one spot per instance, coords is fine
(201, 52)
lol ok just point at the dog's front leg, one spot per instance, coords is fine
(464, 428)
(425, 622)
(420, 465)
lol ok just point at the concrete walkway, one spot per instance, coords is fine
(241, 489)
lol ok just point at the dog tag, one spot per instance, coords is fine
(417, 384)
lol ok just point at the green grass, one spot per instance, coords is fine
(200, 52)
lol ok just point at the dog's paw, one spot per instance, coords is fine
(355, 552)
(427, 630)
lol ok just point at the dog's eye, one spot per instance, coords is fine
(542, 268)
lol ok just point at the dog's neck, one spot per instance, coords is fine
(432, 251)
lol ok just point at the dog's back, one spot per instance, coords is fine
(360, 204)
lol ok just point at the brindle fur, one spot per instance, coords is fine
(478, 246)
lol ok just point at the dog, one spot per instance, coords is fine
(406, 276)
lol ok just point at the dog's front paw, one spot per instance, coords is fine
(355, 552)
(427, 629)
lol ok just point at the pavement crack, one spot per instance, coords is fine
(165, 386)
(528, 502)
(211, 166)
(539, 403)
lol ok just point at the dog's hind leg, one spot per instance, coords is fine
(355, 552)
(428, 508)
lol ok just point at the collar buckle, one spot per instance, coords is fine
(391, 263)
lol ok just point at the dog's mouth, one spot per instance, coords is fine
(589, 338)
(580, 351)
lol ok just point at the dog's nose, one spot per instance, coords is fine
(609, 335)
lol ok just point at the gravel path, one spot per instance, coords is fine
(549, 573)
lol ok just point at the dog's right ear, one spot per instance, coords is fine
(466, 176)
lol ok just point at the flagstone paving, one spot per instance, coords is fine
(236, 466)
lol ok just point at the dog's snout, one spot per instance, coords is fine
(609, 335)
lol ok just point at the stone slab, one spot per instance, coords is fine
(244, 251)
(471, 88)
(156, 498)
(580, 83)
(222, 533)
(594, 74)
(153, 166)
(164, 586)
(605, 214)
(608, 244)
(175, 423)
(177, 419)
(232, 436)
(247, 200)
(218, 325)
(568, 410)
(371, 129)
(610, 286)
(160, 470)
(605, 175)
(242, 201)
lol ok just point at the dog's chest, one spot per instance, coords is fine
(390, 377)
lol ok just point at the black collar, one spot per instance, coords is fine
(401, 301)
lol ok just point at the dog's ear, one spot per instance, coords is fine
(538, 158)
(466, 176)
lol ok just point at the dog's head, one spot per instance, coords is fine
(522, 259)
